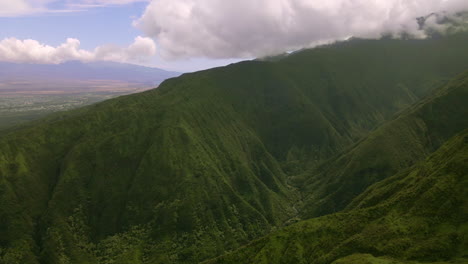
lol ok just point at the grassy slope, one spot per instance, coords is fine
(396, 145)
(416, 215)
(194, 168)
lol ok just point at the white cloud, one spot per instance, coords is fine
(15, 7)
(31, 51)
(139, 51)
(250, 28)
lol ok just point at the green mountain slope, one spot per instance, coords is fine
(396, 145)
(199, 166)
(417, 215)
(75, 181)
(318, 101)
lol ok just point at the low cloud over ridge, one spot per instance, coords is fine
(252, 28)
(31, 51)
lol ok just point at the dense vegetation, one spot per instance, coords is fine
(420, 213)
(394, 146)
(213, 160)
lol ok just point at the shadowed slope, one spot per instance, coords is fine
(418, 214)
(396, 145)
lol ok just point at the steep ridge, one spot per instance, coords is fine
(416, 216)
(199, 166)
(313, 103)
(394, 146)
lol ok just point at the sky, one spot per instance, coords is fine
(190, 35)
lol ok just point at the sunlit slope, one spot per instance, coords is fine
(189, 176)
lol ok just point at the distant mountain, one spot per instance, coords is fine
(31, 91)
(211, 162)
(76, 70)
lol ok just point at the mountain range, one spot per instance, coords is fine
(80, 71)
(353, 152)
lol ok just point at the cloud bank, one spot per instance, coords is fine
(251, 28)
(31, 51)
